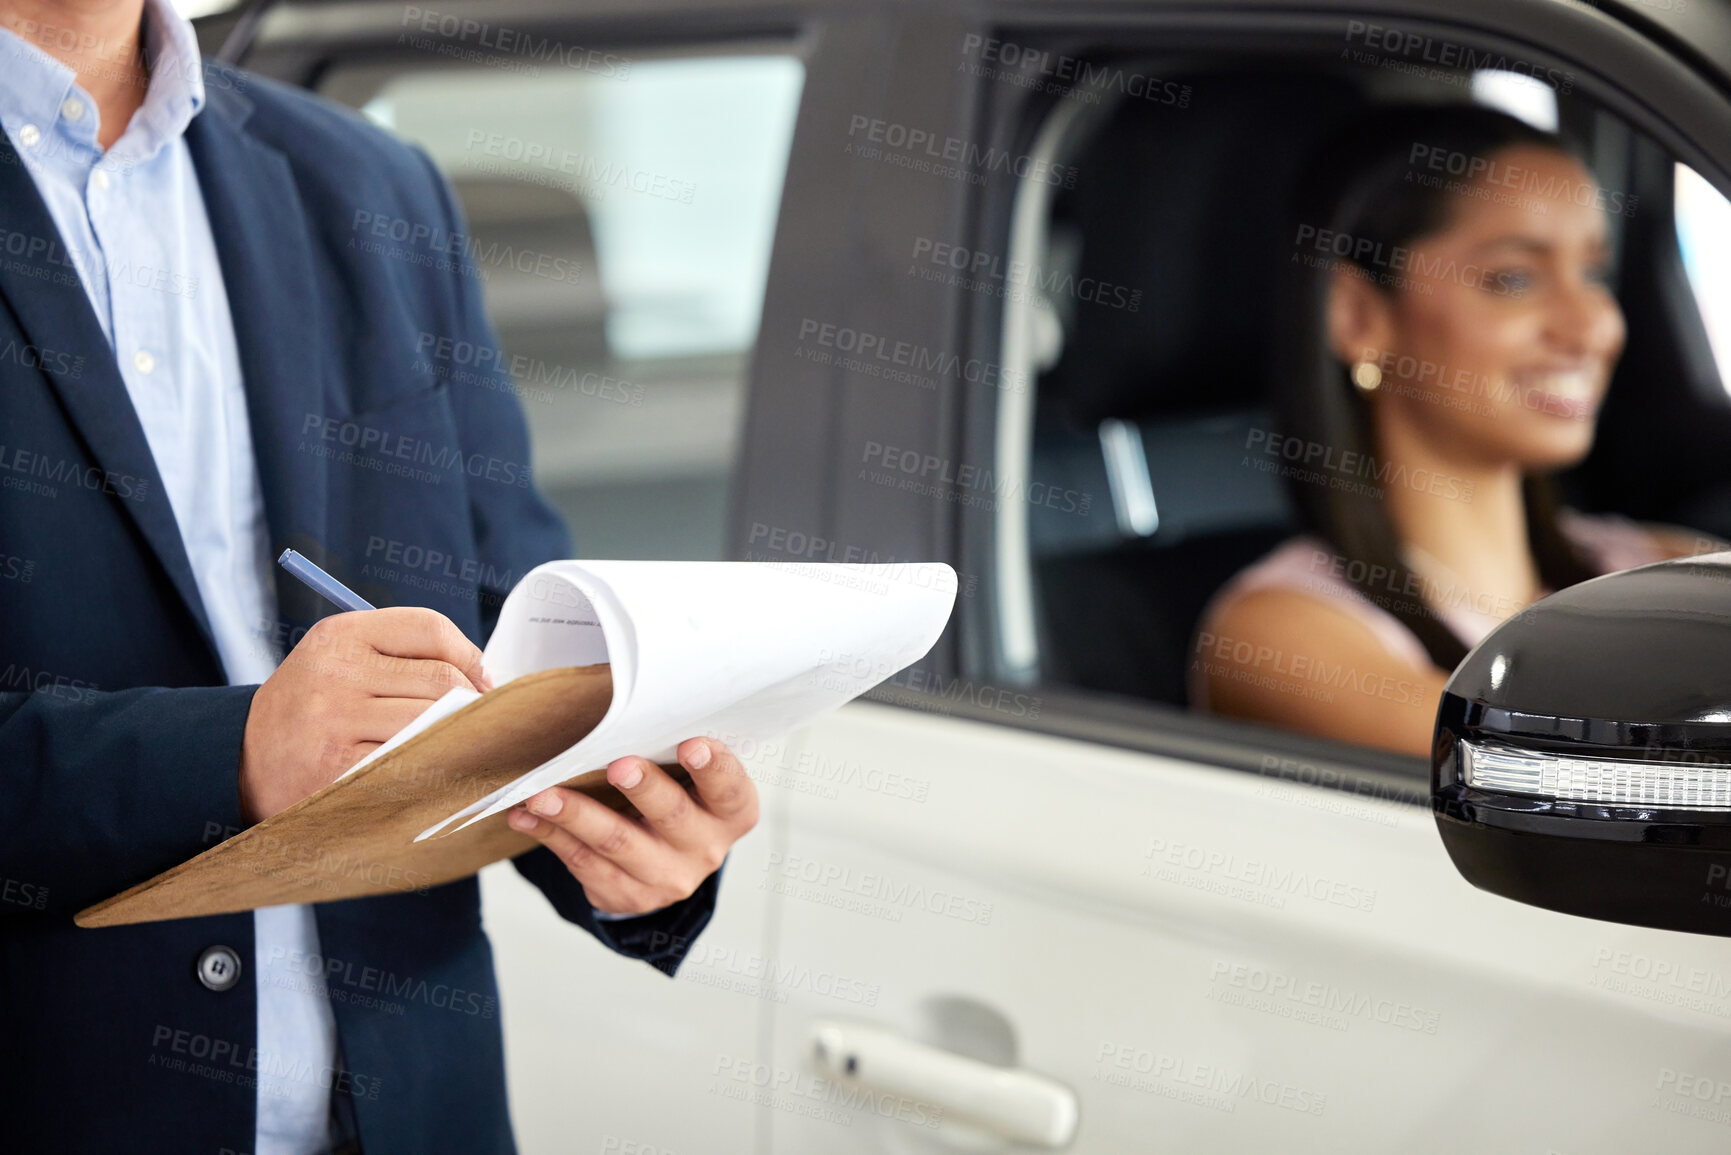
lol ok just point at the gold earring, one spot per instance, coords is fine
(1366, 376)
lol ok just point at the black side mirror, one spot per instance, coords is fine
(1582, 755)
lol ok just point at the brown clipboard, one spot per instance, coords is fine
(356, 836)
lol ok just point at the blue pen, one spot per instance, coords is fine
(321, 582)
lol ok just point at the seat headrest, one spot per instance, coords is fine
(535, 250)
(1190, 206)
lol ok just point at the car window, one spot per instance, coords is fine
(621, 220)
(1704, 236)
(1149, 316)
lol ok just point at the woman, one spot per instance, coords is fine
(1449, 341)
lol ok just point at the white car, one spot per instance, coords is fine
(978, 282)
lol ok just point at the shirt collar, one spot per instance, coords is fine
(176, 78)
(34, 86)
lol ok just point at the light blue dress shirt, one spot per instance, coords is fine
(133, 221)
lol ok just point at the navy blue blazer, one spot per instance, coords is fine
(120, 742)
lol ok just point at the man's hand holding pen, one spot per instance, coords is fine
(357, 678)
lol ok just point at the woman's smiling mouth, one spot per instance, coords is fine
(1571, 393)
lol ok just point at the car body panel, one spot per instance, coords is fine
(1140, 902)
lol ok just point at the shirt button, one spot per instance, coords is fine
(143, 361)
(72, 109)
(218, 968)
(100, 179)
(29, 135)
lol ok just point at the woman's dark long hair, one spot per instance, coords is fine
(1365, 184)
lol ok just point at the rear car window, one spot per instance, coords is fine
(623, 219)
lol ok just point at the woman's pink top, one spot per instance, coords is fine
(1605, 541)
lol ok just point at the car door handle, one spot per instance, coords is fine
(1012, 1103)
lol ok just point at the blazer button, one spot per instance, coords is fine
(218, 968)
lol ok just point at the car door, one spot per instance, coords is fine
(1212, 936)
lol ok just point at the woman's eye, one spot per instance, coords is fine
(1514, 282)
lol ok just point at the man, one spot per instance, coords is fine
(191, 333)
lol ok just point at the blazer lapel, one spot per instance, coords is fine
(264, 249)
(47, 296)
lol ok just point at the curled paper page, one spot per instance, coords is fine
(741, 651)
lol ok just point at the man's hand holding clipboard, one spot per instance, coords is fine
(359, 677)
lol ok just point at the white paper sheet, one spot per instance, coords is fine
(743, 651)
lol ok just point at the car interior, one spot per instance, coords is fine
(1154, 406)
